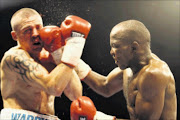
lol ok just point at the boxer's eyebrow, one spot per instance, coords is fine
(115, 43)
(26, 27)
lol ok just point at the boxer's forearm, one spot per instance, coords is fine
(74, 88)
(59, 80)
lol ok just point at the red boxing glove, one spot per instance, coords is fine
(51, 36)
(72, 25)
(74, 30)
(53, 42)
(83, 108)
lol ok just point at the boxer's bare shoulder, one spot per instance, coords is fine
(155, 75)
(156, 84)
(18, 63)
(20, 71)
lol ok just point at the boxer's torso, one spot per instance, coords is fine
(18, 94)
(131, 85)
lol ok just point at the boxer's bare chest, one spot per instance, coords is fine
(130, 89)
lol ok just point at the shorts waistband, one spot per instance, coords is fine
(18, 114)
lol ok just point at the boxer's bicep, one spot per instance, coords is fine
(150, 98)
(115, 79)
(105, 85)
(25, 68)
(149, 109)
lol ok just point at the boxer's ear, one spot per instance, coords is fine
(135, 46)
(14, 36)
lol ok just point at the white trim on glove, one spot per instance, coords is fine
(82, 69)
(57, 54)
(102, 116)
(73, 50)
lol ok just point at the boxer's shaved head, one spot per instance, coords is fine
(23, 15)
(131, 30)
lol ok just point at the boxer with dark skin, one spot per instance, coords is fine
(29, 80)
(146, 80)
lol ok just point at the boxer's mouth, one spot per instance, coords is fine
(116, 61)
(37, 43)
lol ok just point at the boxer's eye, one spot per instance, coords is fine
(114, 45)
(27, 31)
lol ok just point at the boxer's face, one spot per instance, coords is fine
(28, 34)
(120, 51)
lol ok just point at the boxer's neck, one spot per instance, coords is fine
(35, 56)
(139, 63)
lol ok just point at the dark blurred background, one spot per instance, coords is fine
(162, 18)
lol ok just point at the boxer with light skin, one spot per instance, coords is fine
(146, 80)
(30, 78)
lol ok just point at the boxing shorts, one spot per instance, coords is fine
(18, 114)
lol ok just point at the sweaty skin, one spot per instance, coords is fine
(147, 82)
(29, 79)
(150, 93)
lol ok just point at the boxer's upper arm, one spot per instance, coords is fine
(115, 79)
(106, 85)
(150, 98)
(28, 70)
(25, 68)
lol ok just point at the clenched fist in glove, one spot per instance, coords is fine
(83, 108)
(75, 26)
(53, 42)
(74, 31)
